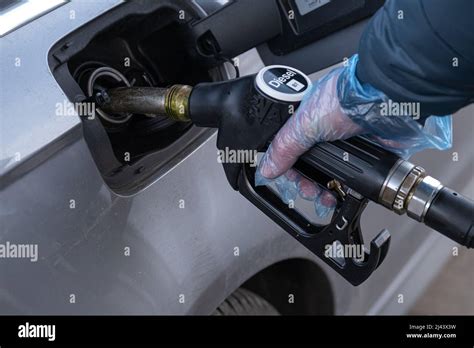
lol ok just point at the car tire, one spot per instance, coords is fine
(245, 302)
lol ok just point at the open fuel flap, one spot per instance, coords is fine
(134, 44)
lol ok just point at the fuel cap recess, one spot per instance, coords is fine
(283, 83)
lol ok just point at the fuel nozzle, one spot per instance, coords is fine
(172, 102)
(261, 102)
(248, 110)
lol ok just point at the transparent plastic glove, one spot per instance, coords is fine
(291, 185)
(319, 118)
(401, 134)
(339, 107)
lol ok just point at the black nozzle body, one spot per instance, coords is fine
(246, 119)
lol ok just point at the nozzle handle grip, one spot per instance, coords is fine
(452, 214)
(355, 162)
(364, 167)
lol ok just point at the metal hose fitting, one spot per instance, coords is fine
(408, 189)
(177, 102)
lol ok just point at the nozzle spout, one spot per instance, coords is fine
(171, 102)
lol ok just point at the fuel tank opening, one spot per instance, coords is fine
(139, 45)
(96, 84)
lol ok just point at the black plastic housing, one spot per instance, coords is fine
(246, 119)
(235, 28)
(299, 30)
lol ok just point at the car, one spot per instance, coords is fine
(136, 216)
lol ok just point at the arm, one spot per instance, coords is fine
(421, 51)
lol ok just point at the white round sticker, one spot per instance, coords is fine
(283, 83)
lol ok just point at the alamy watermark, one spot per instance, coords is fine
(237, 156)
(19, 251)
(338, 250)
(28, 330)
(392, 108)
(66, 108)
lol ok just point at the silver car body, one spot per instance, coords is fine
(144, 253)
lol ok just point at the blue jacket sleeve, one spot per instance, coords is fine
(421, 51)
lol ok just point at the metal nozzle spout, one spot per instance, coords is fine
(171, 102)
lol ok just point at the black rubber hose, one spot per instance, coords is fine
(452, 214)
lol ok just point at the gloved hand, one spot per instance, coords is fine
(320, 118)
(339, 107)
